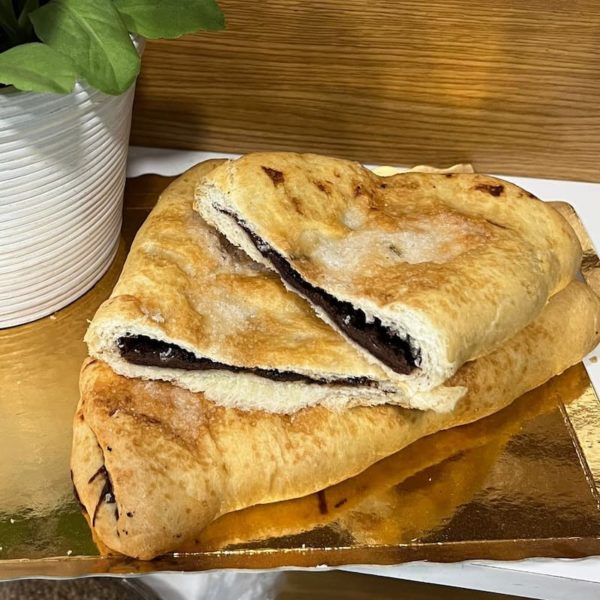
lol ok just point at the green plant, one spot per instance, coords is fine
(47, 45)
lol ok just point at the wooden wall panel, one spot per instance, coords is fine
(511, 85)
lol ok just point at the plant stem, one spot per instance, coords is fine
(8, 20)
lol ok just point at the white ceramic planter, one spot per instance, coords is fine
(62, 173)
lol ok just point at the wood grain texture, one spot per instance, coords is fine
(513, 87)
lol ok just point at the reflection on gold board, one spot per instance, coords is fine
(39, 363)
(519, 483)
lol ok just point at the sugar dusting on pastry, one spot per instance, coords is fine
(438, 239)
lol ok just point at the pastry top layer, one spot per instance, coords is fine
(185, 284)
(460, 262)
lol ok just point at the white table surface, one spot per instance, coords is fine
(551, 579)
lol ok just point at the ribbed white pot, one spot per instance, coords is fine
(62, 173)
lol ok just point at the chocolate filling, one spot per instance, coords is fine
(145, 351)
(391, 349)
(106, 493)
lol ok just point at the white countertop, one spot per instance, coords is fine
(551, 579)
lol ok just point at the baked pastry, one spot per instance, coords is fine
(418, 482)
(192, 309)
(420, 272)
(154, 464)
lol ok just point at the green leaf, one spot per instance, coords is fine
(37, 68)
(170, 18)
(93, 35)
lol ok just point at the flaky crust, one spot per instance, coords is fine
(459, 262)
(175, 461)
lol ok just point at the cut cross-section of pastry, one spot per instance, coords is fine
(421, 272)
(192, 309)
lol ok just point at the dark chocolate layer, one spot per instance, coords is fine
(380, 341)
(145, 351)
(107, 494)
